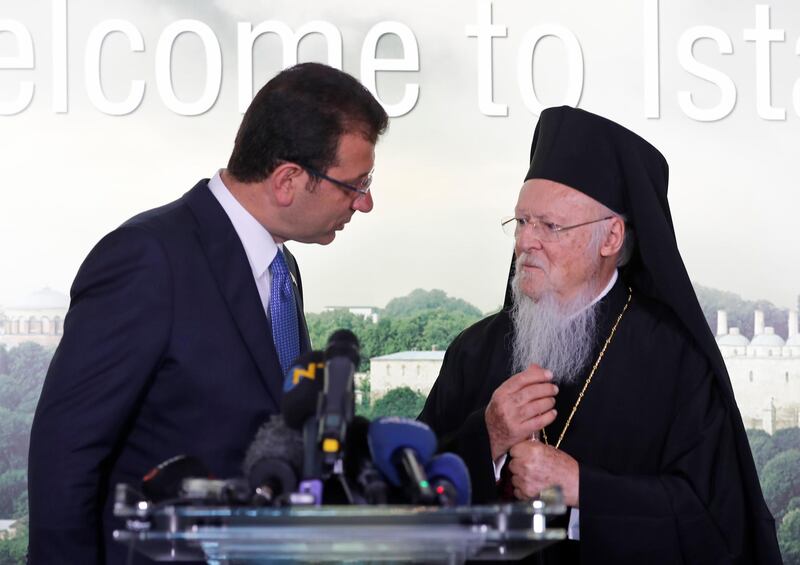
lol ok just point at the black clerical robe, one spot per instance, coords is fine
(660, 473)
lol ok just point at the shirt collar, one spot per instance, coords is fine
(607, 289)
(257, 241)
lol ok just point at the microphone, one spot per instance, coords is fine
(302, 386)
(165, 480)
(337, 403)
(343, 343)
(400, 448)
(273, 461)
(359, 470)
(319, 401)
(299, 407)
(450, 480)
(304, 367)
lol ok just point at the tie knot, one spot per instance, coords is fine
(278, 266)
(280, 274)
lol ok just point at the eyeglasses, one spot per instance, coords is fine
(542, 230)
(361, 190)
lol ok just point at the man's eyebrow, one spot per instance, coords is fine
(362, 176)
(545, 217)
(359, 177)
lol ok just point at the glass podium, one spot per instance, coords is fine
(326, 534)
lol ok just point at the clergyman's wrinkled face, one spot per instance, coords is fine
(568, 266)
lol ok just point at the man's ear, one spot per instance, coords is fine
(614, 239)
(285, 181)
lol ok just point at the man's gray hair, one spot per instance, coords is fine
(628, 243)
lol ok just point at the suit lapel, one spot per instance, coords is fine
(234, 277)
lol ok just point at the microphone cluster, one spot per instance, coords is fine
(317, 451)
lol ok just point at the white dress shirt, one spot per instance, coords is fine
(257, 241)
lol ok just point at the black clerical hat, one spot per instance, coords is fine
(595, 156)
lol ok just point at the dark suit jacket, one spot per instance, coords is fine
(166, 351)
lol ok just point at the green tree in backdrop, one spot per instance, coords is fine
(3, 359)
(420, 300)
(789, 538)
(13, 551)
(20, 384)
(777, 459)
(763, 448)
(781, 481)
(423, 320)
(401, 401)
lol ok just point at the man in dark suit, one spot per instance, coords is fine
(184, 319)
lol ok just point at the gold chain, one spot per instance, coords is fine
(591, 374)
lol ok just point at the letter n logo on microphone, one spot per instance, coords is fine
(309, 372)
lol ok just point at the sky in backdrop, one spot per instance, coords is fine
(445, 172)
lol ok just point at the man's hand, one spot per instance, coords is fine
(520, 407)
(535, 466)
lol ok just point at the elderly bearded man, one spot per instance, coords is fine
(602, 353)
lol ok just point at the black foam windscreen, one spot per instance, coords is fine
(343, 343)
(302, 386)
(359, 469)
(300, 403)
(275, 456)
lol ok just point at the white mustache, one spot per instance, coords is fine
(525, 260)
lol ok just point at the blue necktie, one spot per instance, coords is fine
(283, 313)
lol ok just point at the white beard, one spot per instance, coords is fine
(555, 336)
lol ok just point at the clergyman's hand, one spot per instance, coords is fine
(535, 466)
(519, 408)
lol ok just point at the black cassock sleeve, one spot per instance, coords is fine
(470, 441)
(474, 365)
